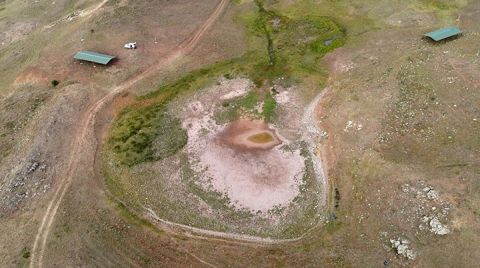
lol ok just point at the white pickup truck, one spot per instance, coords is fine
(130, 45)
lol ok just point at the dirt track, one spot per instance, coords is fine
(86, 14)
(86, 126)
(200, 233)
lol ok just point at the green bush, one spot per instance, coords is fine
(25, 253)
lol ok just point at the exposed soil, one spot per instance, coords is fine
(13, 31)
(31, 76)
(248, 136)
(257, 180)
(244, 159)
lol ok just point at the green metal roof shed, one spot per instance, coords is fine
(94, 57)
(444, 33)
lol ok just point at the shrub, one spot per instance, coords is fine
(25, 253)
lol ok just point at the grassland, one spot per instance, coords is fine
(287, 44)
(282, 49)
(147, 134)
(392, 90)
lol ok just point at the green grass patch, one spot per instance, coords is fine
(146, 134)
(269, 107)
(289, 46)
(440, 4)
(249, 104)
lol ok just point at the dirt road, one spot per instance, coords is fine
(85, 14)
(86, 127)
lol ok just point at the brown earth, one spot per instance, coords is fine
(372, 206)
(88, 123)
(86, 119)
(248, 136)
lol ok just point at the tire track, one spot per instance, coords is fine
(87, 124)
(83, 14)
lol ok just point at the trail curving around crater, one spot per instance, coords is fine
(312, 133)
(87, 123)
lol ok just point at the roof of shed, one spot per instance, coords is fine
(444, 33)
(94, 57)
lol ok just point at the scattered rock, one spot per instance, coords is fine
(406, 188)
(43, 167)
(437, 227)
(353, 125)
(33, 167)
(428, 206)
(348, 126)
(402, 247)
(432, 194)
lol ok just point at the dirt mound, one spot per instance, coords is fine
(246, 135)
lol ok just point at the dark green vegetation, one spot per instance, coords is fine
(146, 134)
(269, 105)
(55, 83)
(294, 45)
(25, 253)
(368, 175)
